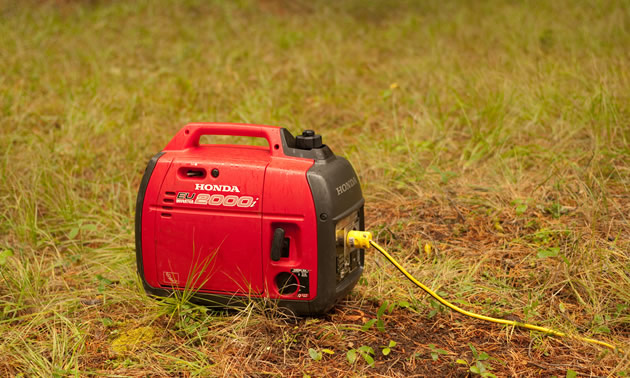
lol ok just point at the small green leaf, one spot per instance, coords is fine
(520, 209)
(549, 252)
(391, 307)
(73, 233)
(602, 329)
(382, 309)
(474, 369)
(481, 366)
(368, 359)
(366, 349)
(314, 354)
(107, 322)
(434, 356)
(368, 324)
(483, 356)
(328, 351)
(380, 325)
(104, 280)
(403, 304)
(4, 256)
(351, 355)
(392, 344)
(571, 374)
(461, 362)
(386, 351)
(89, 227)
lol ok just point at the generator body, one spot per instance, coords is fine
(227, 224)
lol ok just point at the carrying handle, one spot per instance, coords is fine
(188, 136)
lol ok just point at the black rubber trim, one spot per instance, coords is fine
(139, 206)
(289, 148)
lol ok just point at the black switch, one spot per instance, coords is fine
(277, 244)
(308, 140)
(286, 244)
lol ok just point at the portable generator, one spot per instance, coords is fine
(229, 223)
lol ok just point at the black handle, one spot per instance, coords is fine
(277, 244)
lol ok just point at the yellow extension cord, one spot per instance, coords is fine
(363, 239)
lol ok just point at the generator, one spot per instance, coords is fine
(226, 224)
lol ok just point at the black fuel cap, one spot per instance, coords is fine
(308, 140)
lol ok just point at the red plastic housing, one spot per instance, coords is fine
(206, 217)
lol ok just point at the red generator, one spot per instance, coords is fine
(230, 223)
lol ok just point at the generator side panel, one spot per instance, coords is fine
(336, 193)
(290, 261)
(338, 206)
(146, 218)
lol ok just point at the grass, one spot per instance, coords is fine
(497, 132)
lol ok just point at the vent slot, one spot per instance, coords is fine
(166, 215)
(194, 173)
(170, 193)
(169, 200)
(167, 207)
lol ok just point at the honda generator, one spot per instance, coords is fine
(230, 223)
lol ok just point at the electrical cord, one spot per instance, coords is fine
(363, 239)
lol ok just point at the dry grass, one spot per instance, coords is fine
(497, 132)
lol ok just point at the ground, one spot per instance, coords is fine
(491, 140)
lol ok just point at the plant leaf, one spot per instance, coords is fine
(392, 344)
(520, 209)
(4, 256)
(549, 252)
(368, 324)
(461, 362)
(314, 354)
(386, 351)
(328, 351)
(351, 355)
(89, 227)
(382, 309)
(481, 366)
(73, 233)
(368, 359)
(571, 374)
(366, 349)
(380, 325)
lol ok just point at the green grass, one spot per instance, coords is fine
(497, 131)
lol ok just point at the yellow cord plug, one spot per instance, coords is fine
(359, 239)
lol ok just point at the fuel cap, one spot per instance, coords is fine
(308, 140)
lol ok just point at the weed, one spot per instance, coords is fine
(317, 354)
(386, 350)
(436, 352)
(478, 365)
(364, 351)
